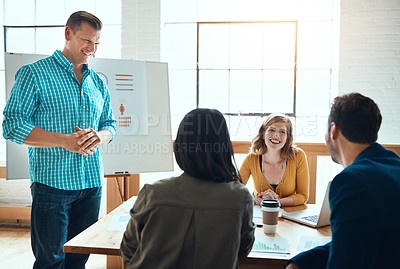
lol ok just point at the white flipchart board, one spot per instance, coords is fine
(132, 154)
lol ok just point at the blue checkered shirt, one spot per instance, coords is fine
(46, 94)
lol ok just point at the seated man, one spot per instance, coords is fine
(365, 217)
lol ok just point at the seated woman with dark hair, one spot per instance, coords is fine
(200, 219)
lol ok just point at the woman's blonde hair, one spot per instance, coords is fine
(258, 146)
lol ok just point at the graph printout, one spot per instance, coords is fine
(271, 245)
(126, 81)
(309, 242)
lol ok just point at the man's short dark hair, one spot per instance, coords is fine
(357, 116)
(74, 21)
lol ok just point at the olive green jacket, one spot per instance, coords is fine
(186, 222)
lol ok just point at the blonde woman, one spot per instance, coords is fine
(278, 167)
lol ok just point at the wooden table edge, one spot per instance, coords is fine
(93, 250)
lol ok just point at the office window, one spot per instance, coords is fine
(34, 40)
(180, 53)
(254, 58)
(234, 67)
(254, 61)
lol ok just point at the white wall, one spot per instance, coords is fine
(369, 60)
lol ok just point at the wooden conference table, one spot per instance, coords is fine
(97, 239)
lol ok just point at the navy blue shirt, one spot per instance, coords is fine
(365, 218)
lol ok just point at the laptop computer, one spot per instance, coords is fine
(312, 216)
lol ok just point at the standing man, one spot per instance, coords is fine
(364, 197)
(61, 109)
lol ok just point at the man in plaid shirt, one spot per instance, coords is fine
(61, 109)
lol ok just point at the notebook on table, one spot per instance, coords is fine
(311, 216)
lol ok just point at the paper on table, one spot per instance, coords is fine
(267, 244)
(257, 214)
(118, 223)
(308, 242)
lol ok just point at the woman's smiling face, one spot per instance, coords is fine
(275, 136)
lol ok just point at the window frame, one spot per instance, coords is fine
(198, 24)
(5, 27)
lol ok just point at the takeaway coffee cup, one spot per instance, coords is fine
(270, 212)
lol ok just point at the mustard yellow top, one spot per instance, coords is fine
(295, 182)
